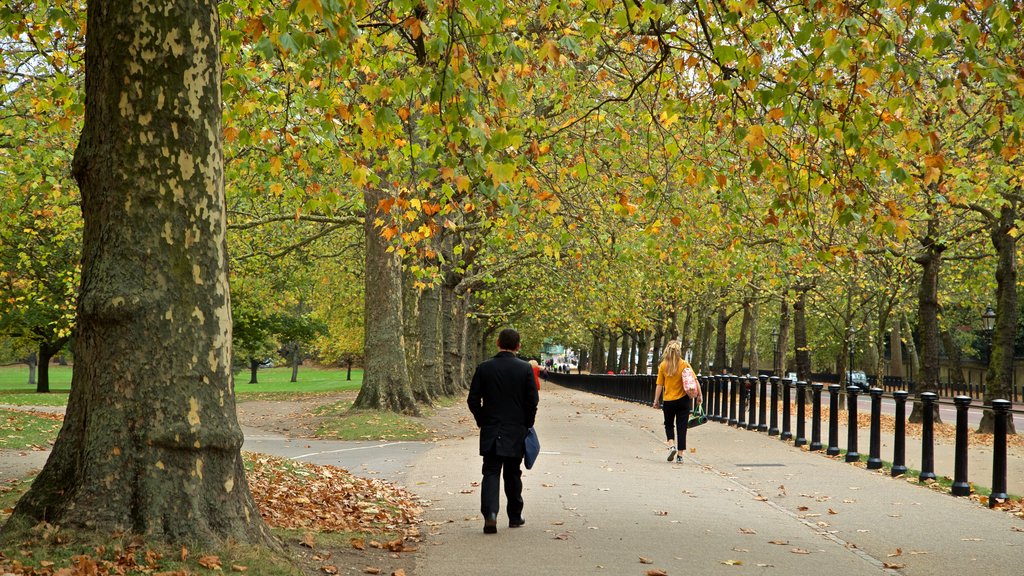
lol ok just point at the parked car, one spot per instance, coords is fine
(857, 378)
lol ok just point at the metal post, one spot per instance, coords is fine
(875, 449)
(744, 391)
(786, 434)
(899, 451)
(732, 400)
(801, 405)
(960, 485)
(1000, 410)
(851, 424)
(773, 429)
(762, 407)
(713, 398)
(833, 420)
(816, 416)
(752, 402)
(927, 436)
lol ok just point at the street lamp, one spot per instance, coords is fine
(989, 318)
(775, 352)
(988, 321)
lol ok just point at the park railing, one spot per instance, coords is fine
(753, 403)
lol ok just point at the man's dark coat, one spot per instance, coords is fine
(503, 399)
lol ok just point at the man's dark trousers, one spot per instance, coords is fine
(509, 470)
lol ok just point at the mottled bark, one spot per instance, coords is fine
(739, 355)
(754, 355)
(386, 383)
(999, 377)
(452, 322)
(956, 371)
(780, 344)
(643, 347)
(896, 367)
(32, 361)
(721, 363)
(411, 326)
(47, 350)
(912, 361)
(150, 443)
(431, 343)
(597, 363)
(611, 365)
(623, 363)
(801, 353)
(296, 360)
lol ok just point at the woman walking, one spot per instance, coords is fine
(675, 404)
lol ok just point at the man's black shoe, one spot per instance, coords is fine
(491, 524)
(517, 522)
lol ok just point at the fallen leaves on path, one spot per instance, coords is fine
(305, 496)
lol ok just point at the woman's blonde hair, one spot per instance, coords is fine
(673, 357)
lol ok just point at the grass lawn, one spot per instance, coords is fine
(274, 383)
(14, 387)
(21, 431)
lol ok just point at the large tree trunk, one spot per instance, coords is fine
(623, 363)
(46, 353)
(32, 361)
(801, 353)
(431, 343)
(780, 345)
(613, 346)
(755, 357)
(150, 443)
(956, 371)
(411, 325)
(896, 350)
(386, 376)
(999, 378)
(296, 360)
(928, 320)
(721, 361)
(913, 362)
(703, 341)
(597, 364)
(453, 322)
(254, 368)
(643, 347)
(739, 356)
(684, 336)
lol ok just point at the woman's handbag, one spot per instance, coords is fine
(532, 448)
(690, 384)
(697, 416)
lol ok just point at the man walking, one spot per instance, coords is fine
(503, 399)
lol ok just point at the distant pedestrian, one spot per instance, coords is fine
(675, 404)
(503, 399)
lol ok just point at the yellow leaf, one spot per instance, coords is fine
(309, 6)
(755, 136)
(549, 51)
(275, 165)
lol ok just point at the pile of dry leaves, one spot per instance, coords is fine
(306, 496)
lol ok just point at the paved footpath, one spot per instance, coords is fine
(603, 500)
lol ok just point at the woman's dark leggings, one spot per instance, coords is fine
(677, 413)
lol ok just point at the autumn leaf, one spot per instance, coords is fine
(210, 561)
(732, 562)
(646, 560)
(656, 572)
(747, 531)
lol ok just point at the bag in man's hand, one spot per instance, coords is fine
(697, 416)
(532, 448)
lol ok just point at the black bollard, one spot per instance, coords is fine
(1000, 410)
(752, 402)
(732, 399)
(786, 434)
(801, 405)
(899, 450)
(773, 430)
(833, 420)
(927, 436)
(720, 398)
(875, 449)
(713, 413)
(816, 416)
(762, 413)
(960, 485)
(744, 391)
(851, 424)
